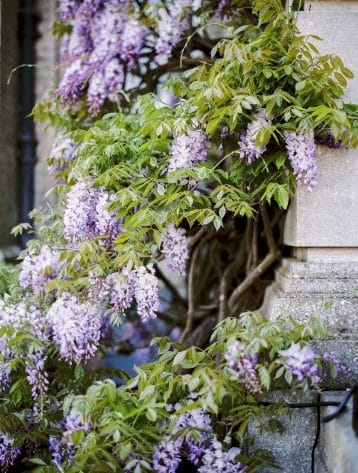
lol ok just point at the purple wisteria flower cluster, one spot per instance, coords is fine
(302, 154)
(203, 450)
(175, 249)
(62, 152)
(8, 452)
(173, 23)
(38, 270)
(243, 365)
(188, 149)
(301, 362)
(141, 285)
(104, 42)
(87, 216)
(62, 447)
(248, 147)
(220, 9)
(37, 376)
(18, 316)
(76, 327)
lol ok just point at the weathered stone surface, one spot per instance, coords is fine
(304, 289)
(292, 441)
(328, 216)
(338, 445)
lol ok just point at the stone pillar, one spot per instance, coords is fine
(321, 276)
(8, 124)
(321, 227)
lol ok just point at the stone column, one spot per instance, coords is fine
(321, 227)
(321, 276)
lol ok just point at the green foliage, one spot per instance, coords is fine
(133, 417)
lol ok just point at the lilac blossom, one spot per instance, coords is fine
(216, 459)
(340, 367)
(131, 41)
(248, 147)
(114, 78)
(37, 376)
(63, 151)
(97, 92)
(301, 362)
(188, 149)
(57, 450)
(220, 9)
(19, 315)
(118, 288)
(73, 82)
(175, 249)
(243, 365)
(38, 270)
(76, 327)
(146, 293)
(194, 418)
(107, 223)
(105, 39)
(86, 214)
(302, 154)
(8, 452)
(67, 9)
(173, 23)
(166, 457)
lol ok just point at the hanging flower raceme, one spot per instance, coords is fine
(175, 249)
(18, 316)
(62, 152)
(146, 293)
(302, 153)
(62, 447)
(8, 451)
(248, 147)
(76, 327)
(105, 39)
(37, 376)
(172, 26)
(301, 361)
(166, 457)
(243, 365)
(38, 270)
(86, 214)
(206, 452)
(107, 223)
(216, 459)
(118, 290)
(188, 149)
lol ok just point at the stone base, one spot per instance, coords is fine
(291, 436)
(300, 443)
(327, 290)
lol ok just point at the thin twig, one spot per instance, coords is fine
(195, 238)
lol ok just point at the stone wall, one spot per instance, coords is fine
(8, 121)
